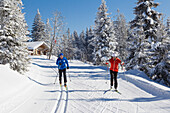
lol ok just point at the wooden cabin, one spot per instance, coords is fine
(37, 48)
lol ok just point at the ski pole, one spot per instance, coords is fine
(69, 75)
(124, 74)
(56, 76)
(106, 76)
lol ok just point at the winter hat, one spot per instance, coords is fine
(113, 55)
(61, 54)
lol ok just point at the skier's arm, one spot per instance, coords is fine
(107, 62)
(67, 63)
(57, 63)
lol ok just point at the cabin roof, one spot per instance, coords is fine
(35, 45)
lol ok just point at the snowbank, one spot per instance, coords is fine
(10, 81)
(141, 80)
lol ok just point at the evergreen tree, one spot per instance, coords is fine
(38, 29)
(161, 71)
(168, 26)
(147, 18)
(48, 32)
(104, 35)
(13, 30)
(121, 35)
(70, 45)
(83, 46)
(91, 45)
(137, 58)
(77, 46)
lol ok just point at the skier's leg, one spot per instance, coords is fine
(111, 78)
(115, 80)
(65, 77)
(60, 76)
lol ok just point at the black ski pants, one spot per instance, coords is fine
(113, 75)
(64, 74)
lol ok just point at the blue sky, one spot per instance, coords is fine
(80, 14)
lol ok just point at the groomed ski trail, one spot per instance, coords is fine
(85, 92)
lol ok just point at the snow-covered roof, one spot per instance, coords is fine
(35, 45)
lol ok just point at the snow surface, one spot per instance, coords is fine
(35, 92)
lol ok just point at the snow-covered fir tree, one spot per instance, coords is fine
(104, 35)
(82, 43)
(137, 58)
(48, 32)
(70, 44)
(38, 28)
(121, 35)
(149, 19)
(91, 45)
(77, 44)
(168, 26)
(161, 72)
(13, 30)
(65, 45)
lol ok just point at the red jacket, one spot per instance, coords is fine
(114, 64)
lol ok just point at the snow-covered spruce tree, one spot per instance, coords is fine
(91, 45)
(121, 35)
(104, 35)
(38, 28)
(82, 46)
(137, 58)
(73, 46)
(13, 30)
(168, 26)
(65, 45)
(48, 32)
(149, 19)
(76, 44)
(161, 72)
(70, 45)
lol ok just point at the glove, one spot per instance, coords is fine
(67, 67)
(60, 63)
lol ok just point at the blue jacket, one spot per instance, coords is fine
(63, 62)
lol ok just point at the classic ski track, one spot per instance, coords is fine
(103, 107)
(57, 105)
(109, 96)
(61, 96)
(80, 96)
(100, 104)
(136, 104)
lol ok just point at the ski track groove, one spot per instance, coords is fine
(81, 97)
(101, 106)
(61, 95)
(119, 98)
(58, 101)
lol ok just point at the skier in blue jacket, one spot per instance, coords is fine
(61, 62)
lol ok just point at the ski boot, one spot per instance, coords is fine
(65, 85)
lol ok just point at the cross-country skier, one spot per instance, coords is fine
(61, 62)
(114, 61)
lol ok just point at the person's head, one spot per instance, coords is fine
(114, 56)
(61, 55)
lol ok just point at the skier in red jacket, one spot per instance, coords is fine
(114, 61)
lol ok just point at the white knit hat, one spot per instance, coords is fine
(113, 55)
